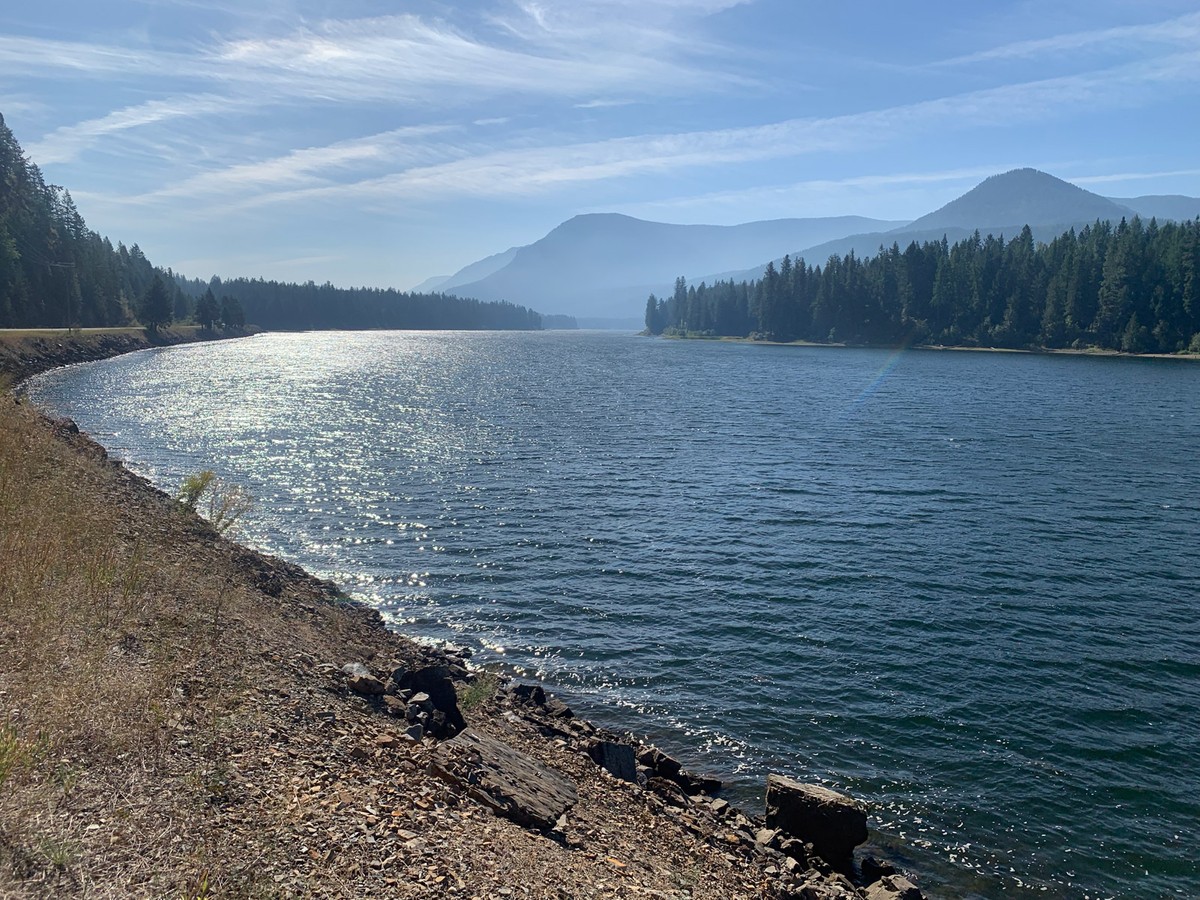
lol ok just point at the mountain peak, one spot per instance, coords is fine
(1021, 197)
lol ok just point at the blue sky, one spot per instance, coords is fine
(380, 143)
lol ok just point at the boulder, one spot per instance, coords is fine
(434, 681)
(617, 759)
(833, 823)
(513, 784)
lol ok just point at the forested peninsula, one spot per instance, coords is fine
(55, 272)
(1132, 287)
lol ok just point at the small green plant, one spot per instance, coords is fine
(66, 776)
(58, 853)
(193, 487)
(17, 753)
(13, 753)
(479, 691)
(223, 503)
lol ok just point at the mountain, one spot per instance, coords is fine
(429, 284)
(1001, 205)
(1163, 206)
(479, 269)
(605, 265)
(1021, 197)
(601, 267)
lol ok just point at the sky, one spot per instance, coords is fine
(375, 143)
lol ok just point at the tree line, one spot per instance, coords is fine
(54, 270)
(1133, 287)
(57, 273)
(284, 306)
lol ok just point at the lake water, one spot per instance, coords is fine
(960, 586)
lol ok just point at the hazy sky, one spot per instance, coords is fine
(380, 143)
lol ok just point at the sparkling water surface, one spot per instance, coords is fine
(960, 586)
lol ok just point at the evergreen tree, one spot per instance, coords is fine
(156, 308)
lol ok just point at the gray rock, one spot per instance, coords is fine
(355, 668)
(513, 784)
(617, 759)
(833, 823)
(415, 731)
(768, 837)
(893, 887)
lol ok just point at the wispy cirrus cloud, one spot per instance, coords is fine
(1183, 31)
(521, 170)
(67, 142)
(311, 167)
(416, 167)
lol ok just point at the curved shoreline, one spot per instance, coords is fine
(711, 834)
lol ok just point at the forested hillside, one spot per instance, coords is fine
(1133, 287)
(55, 272)
(283, 306)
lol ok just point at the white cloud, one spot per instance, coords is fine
(534, 170)
(1182, 32)
(66, 143)
(312, 166)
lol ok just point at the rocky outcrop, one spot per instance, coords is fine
(833, 823)
(512, 784)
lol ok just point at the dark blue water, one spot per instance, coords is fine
(963, 587)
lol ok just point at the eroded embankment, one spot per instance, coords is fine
(24, 353)
(183, 716)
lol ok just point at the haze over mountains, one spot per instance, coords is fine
(601, 267)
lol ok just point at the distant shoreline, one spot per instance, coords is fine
(1046, 351)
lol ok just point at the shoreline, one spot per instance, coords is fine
(1062, 351)
(371, 723)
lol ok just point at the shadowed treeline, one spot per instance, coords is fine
(1133, 287)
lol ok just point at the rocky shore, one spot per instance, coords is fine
(26, 353)
(217, 722)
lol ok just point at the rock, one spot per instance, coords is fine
(834, 823)
(768, 837)
(668, 790)
(367, 685)
(558, 709)
(893, 887)
(663, 765)
(697, 784)
(617, 759)
(873, 868)
(514, 785)
(421, 701)
(528, 693)
(395, 705)
(415, 731)
(436, 683)
(352, 669)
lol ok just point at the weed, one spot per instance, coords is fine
(59, 853)
(224, 503)
(479, 691)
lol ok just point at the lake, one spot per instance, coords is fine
(962, 587)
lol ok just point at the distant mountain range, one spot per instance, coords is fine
(601, 267)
